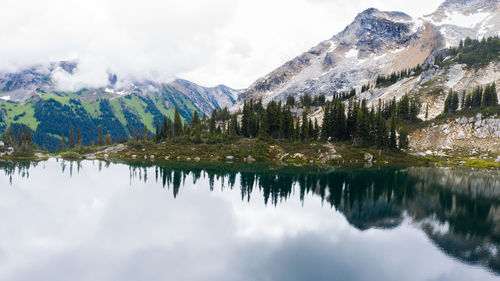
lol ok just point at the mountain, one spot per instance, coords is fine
(378, 43)
(21, 85)
(458, 19)
(33, 97)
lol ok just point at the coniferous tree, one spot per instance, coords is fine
(195, 120)
(233, 125)
(316, 129)
(11, 136)
(100, 137)
(108, 139)
(78, 136)
(264, 127)
(403, 138)
(363, 125)
(71, 137)
(212, 123)
(477, 96)
(310, 133)
(381, 128)
(325, 129)
(20, 137)
(339, 121)
(296, 131)
(62, 145)
(468, 101)
(392, 137)
(304, 130)
(178, 131)
(28, 137)
(454, 102)
(157, 132)
(494, 96)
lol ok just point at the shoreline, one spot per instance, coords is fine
(246, 151)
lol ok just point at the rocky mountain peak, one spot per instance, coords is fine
(377, 14)
(372, 29)
(469, 5)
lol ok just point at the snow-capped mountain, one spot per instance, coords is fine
(375, 43)
(457, 19)
(21, 85)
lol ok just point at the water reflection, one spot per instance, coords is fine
(457, 208)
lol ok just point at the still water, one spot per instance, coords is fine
(110, 221)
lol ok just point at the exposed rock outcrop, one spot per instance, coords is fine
(468, 135)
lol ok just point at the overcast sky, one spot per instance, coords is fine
(230, 42)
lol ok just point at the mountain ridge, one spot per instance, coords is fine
(375, 43)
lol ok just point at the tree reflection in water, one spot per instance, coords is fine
(458, 208)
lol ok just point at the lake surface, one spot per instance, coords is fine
(109, 221)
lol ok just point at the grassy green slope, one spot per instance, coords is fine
(50, 115)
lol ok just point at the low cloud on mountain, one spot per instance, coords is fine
(209, 42)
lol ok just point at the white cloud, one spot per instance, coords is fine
(210, 42)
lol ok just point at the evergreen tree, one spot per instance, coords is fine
(477, 96)
(468, 101)
(178, 131)
(403, 138)
(494, 96)
(11, 136)
(316, 129)
(326, 123)
(381, 128)
(100, 138)
(454, 102)
(233, 125)
(108, 139)
(62, 145)
(28, 137)
(297, 130)
(78, 136)
(212, 122)
(71, 137)
(20, 137)
(264, 127)
(195, 120)
(392, 137)
(311, 129)
(157, 132)
(363, 125)
(304, 130)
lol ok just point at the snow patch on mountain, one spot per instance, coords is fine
(467, 21)
(352, 53)
(111, 91)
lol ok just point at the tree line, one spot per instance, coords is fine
(474, 52)
(352, 121)
(479, 97)
(18, 137)
(383, 81)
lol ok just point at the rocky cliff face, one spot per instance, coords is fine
(467, 136)
(378, 42)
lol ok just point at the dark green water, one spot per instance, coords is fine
(110, 221)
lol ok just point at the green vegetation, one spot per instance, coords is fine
(475, 53)
(50, 116)
(479, 97)
(383, 81)
(472, 52)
